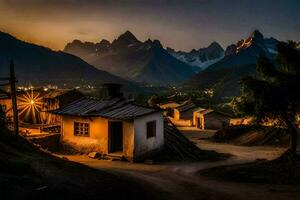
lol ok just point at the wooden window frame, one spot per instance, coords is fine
(151, 129)
(81, 129)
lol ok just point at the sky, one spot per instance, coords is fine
(180, 24)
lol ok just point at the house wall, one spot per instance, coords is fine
(176, 114)
(144, 146)
(215, 121)
(98, 139)
(7, 107)
(211, 120)
(186, 115)
(183, 118)
(197, 115)
(186, 118)
(128, 139)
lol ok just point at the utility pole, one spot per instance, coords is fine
(13, 94)
(14, 97)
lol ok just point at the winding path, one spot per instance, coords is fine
(182, 180)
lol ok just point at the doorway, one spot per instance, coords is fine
(115, 136)
(199, 123)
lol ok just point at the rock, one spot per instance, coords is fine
(41, 188)
(94, 155)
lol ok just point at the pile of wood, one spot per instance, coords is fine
(178, 147)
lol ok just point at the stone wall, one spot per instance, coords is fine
(49, 142)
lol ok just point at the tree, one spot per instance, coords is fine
(153, 101)
(274, 94)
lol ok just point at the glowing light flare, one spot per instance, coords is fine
(30, 105)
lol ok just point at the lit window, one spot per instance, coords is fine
(81, 129)
(151, 129)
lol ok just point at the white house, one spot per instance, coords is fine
(183, 114)
(210, 119)
(112, 126)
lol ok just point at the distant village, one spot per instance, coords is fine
(112, 125)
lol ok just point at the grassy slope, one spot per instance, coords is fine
(28, 173)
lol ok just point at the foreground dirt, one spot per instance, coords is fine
(182, 180)
(28, 173)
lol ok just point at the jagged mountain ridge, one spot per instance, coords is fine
(37, 64)
(202, 58)
(240, 60)
(246, 51)
(130, 58)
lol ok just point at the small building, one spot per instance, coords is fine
(55, 99)
(170, 104)
(168, 108)
(112, 126)
(210, 119)
(183, 114)
(33, 105)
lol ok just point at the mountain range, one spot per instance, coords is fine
(129, 58)
(239, 60)
(40, 65)
(202, 58)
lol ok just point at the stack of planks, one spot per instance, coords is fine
(178, 147)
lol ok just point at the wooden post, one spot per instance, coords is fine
(14, 97)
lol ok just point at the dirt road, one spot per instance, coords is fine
(180, 180)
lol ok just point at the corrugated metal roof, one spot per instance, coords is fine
(127, 111)
(200, 109)
(115, 108)
(186, 107)
(208, 111)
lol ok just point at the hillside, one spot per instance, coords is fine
(29, 173)
(40, 65)
(127, 57)
(239, 61)
(253, 136)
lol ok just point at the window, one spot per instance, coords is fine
(151, 129)
(81, 129)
